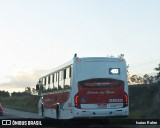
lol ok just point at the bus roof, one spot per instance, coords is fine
(89, 59)
(102, 58)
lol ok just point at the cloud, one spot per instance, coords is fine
(22, 79)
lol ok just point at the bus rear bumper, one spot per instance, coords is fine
(96, 113)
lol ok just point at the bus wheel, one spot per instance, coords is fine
(57, 111)
(42, 111)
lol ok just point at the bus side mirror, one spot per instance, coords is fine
(37, 87)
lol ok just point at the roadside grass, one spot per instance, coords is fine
(24, 103)
(137, 114)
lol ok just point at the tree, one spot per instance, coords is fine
(158, 74)
(33, 91)
(151, 79)
(134, 78)
(4, 94)
(19, 94)
(28, 90)
(146, 79)
(140, 80)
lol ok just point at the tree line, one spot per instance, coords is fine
(135, 79)
(28, 91)
(4, 93)
(145, 79)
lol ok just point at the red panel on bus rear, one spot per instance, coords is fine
(107, 92)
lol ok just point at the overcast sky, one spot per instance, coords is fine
(39, 35)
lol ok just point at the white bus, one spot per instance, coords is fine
(89, 87)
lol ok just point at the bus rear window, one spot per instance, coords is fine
(100, 83)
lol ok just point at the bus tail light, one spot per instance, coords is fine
(77, 102)
(125, 100)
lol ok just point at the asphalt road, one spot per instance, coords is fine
(16, 114)
(11, 113)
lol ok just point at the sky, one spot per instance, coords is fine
(39, 35)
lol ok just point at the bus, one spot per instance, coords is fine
(87, 87)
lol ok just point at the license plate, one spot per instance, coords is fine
(101, 105)
(115, 105)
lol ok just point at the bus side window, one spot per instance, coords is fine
(49, 81)
(57, 77)
(52, 78)
(55, 81)
(44, 83)
(64, 74)
(44, 80)
(70, 72)
(67, 80)
(59, 80)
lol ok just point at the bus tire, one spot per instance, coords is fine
(42, 111)
(57, 111)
